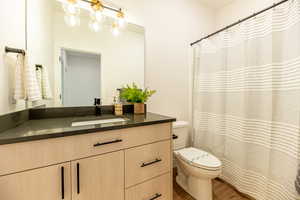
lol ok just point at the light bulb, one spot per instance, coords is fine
(95, 26)
(121, 22)
(121, 19)
(97, 15)
(115, 30)
(71, 8)
(72, 20)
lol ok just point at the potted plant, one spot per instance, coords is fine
(137, 96)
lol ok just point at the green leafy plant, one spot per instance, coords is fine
(134, 94)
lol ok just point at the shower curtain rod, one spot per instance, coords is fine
(240, 21)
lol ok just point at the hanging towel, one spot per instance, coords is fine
(39, 78)
(19, 87)
(33, 92)
(46, 89)
(43, 82)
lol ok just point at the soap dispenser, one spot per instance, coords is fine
(118, 107)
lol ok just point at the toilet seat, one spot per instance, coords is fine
(199, 158)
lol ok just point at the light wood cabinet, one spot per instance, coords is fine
(99, 178)
(41, 153)
(48, 183)
(96, 166)
(147, 161)
(158, 188)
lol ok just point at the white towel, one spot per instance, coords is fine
(19, 87)
(33, 92)
(39, 78)
(43, 82)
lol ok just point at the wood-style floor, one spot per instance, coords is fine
(221, 191)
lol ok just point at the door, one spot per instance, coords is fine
(80, 78)
(99, 178)
(49, 183)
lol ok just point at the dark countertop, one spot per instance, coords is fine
(60, 127)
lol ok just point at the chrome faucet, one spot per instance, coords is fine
(97, 104)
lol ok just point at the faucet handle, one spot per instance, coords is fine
(97, 102)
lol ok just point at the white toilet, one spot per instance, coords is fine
(196, 168)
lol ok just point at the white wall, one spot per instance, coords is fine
(170, 26)
(12, 34)
(239, 9)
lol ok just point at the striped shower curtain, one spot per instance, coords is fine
(246, 102)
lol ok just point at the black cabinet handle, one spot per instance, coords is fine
(151, 163)
(78, 178)
(62, 182)
(175, 137)
(156, 196)
(105, 143)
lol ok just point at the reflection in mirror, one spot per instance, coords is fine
(86, 61)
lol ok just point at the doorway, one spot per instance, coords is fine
(81, 77)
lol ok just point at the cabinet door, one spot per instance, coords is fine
(99, 178)
(49, 183)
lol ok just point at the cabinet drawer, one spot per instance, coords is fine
(30, 155)
(146, 134)
(159, 187)
(98, 143)
(145, 162)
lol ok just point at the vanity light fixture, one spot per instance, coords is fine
(97, 10)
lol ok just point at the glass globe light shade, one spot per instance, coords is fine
(97, 15)
(71, 8)
(121, 19)
(121, 22)
(72, 20)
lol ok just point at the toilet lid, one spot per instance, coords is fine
(200, 158)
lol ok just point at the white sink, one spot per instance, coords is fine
(94, 122)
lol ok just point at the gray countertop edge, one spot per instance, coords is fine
(81, 132)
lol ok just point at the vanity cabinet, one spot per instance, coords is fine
(47, 183)
(100, 177)
(124, 164)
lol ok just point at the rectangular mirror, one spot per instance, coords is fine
(84, 61)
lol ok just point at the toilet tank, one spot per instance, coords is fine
(180, 129)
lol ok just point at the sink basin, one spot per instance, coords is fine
(101, 121)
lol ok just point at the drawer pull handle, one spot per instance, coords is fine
(156, 196)
(105, 143)
(62, 183)
(175, 137)
(151, 163)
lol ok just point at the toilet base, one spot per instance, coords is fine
(200, 189)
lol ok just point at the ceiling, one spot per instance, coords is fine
(217, 3)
